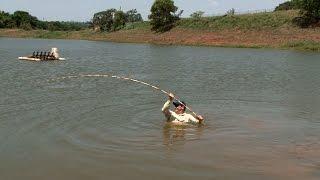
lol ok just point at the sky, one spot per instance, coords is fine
(83, 10)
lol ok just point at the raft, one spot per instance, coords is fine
(38, 59)
(47, 56)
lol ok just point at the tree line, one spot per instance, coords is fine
(163, 16)
(23, 20)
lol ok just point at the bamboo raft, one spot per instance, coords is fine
(39, 59)
(43, 56)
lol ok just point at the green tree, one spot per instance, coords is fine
(289, 5)
(310, 8)
(163, 17)
(42, 25)
(62, 25)
(133, 16)
(119, 20)
(103, 20)
(6, 20)
(24, 20)
(310, 12)
(114, 20)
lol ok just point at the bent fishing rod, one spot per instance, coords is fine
(127, 79)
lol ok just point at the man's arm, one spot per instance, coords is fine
(166, 106)
(198, 119)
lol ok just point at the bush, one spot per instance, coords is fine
(310, 13)
(289, 5)
(304, 21)
(25, 26)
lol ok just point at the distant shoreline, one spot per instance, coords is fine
(258, 30)
(293, 38)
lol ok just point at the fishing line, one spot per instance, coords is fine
(123, 78)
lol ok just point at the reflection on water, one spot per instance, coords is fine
(261, 109)
(180, 134)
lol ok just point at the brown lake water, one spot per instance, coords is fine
(262, 110)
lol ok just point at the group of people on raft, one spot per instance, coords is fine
(43, 55)
(52, 55)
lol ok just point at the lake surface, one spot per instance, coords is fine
(262, 111)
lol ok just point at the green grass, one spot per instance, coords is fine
(257, 21)
(144, 25)
(51, 34)
(303, 45)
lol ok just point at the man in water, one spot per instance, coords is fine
(179, 116)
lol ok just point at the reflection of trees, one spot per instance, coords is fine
(180, 134)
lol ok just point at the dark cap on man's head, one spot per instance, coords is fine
(177, 103)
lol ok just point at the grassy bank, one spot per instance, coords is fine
(260, 30)
(257, 21)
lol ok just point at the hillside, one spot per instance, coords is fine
(259, 30)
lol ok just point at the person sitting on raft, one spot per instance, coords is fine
(54, 53)
(179, 116)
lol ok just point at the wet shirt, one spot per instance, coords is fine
(177, 118)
